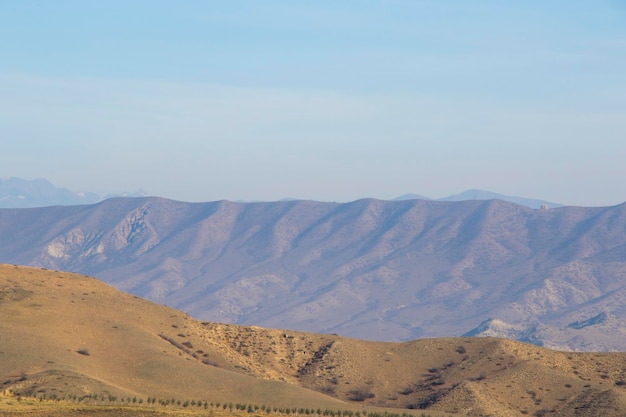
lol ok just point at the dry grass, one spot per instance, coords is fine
(65, 334)
(11, 406)
(478, 376)
(48, 317)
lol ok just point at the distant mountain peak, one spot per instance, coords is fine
(21, 193)
(476, 194)
(130, 194)
(411, 197)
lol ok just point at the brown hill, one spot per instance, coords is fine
(69, 334)
(65, 334)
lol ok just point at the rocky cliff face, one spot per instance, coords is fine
(386, 270)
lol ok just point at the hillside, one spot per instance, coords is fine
(65, 334)
(381, 270)
(69, 334)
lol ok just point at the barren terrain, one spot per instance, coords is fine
(66, 336)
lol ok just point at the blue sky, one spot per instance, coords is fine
(326, 100)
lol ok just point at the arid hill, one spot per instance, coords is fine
(69, 334)
(65, 334)
(370, 269)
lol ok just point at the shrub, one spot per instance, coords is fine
(328, 390)
(480, 377)
(425, 402)
(360, 394)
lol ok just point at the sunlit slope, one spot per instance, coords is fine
(479, 376)
(65, 333)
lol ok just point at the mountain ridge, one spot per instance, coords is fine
(475, 194)
(20, 193)
(370, 269)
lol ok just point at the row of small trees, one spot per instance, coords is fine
(225, 406)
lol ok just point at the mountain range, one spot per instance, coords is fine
(72, 346)
(21, 193)
(370, 269)
(485, 195)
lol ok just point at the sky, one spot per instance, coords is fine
(329, 100)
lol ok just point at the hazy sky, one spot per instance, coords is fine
(328, 100)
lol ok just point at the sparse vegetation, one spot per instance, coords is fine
(360, 394)
(420, 375)
(92, 404)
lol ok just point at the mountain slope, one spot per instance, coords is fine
(385, 270)
(66, 334)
